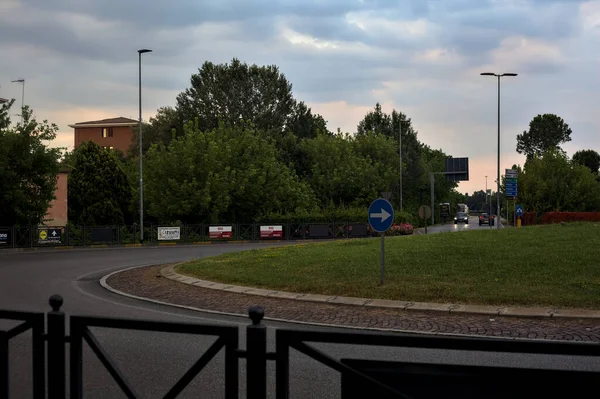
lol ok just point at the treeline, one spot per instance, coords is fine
(238, 147)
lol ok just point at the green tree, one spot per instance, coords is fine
(546, 133)
(5, 114)
(28, 169)
(349, 171)
(240, 92)
(162, 128)
(553, 182)
(589, 158)
(415, 179)
(99, 190)
(229, 174)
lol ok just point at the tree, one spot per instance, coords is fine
(5, 114)
(552, 182)
(229, 174)
(589, 158)
(546, 133)
(238, 92)
(414, 173)
(28, 169)
(99, 190)
(162, 128)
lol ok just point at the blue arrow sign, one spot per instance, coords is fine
(381, 215)
(519, 210)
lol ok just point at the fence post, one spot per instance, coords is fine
(256, 349)
(56, 349)
(4, 362)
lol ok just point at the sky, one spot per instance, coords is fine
(422, 57)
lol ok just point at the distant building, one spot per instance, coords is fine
(58, 212)
(114, 133)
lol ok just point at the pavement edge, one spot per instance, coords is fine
(105, 285)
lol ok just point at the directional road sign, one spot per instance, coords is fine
(381, 215)
(519, 210)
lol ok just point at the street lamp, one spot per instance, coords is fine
(140, 52)
(498, 178)
(400, 152)
(22, 81)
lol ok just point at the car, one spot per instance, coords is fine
(484, 218)
(461, 217)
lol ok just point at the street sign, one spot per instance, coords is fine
(49, 235)
(519, 210)
(381, 218)
(381, 215)
(424, 212)
(510, 173)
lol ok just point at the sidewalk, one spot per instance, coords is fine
(160, 284)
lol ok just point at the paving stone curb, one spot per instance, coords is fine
(507, 311)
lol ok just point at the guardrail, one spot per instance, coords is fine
(361, 378)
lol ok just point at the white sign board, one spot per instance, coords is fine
(271, 231)
(169, 233)
(510, 173)
(219, 231)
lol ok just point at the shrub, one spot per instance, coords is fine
(558, 217)
(401, 229)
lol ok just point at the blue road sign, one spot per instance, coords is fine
(519, 210)
(381, 215)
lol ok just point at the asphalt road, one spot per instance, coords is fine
(154, 361)
(451, 227)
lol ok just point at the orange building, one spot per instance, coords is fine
(58, 212)
(114, 133)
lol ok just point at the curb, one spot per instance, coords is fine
(503, 311)
(156, 245)
(105, 285)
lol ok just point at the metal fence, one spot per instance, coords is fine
(57, 236)
(360, 378)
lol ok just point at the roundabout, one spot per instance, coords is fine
(29, 279)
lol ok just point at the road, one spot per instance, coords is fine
(451, 227)
(154, 361)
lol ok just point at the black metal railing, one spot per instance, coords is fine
(360, 377)
(88, 236)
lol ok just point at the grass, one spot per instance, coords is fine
(552, 265)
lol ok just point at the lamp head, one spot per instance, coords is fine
(144, 50)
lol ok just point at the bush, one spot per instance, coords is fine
(402, 229)
(339, 215)
(558, 217)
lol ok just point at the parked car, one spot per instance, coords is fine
(485, 218)
(461, 217)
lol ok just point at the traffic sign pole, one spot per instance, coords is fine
(381, 218)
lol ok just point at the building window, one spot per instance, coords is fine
(107, 132)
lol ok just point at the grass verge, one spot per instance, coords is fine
(552, 265)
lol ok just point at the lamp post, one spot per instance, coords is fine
(498, 177)
(140, 52)
(400, 152)
(22, 81)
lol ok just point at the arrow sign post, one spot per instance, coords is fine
(381, 218)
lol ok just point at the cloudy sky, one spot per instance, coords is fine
(423, 57)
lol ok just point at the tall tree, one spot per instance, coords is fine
(546, 133)
(99, 190)
(229, 174)
(589, 158)
(5, 114)
(28, 169)
(162, 128)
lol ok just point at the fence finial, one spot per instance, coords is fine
(56, 301)
(256, 314)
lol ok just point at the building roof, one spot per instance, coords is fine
(119, 121)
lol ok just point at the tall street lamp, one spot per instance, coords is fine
(400, 152)
(22, 81)
(498, 177)
(140, 52)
